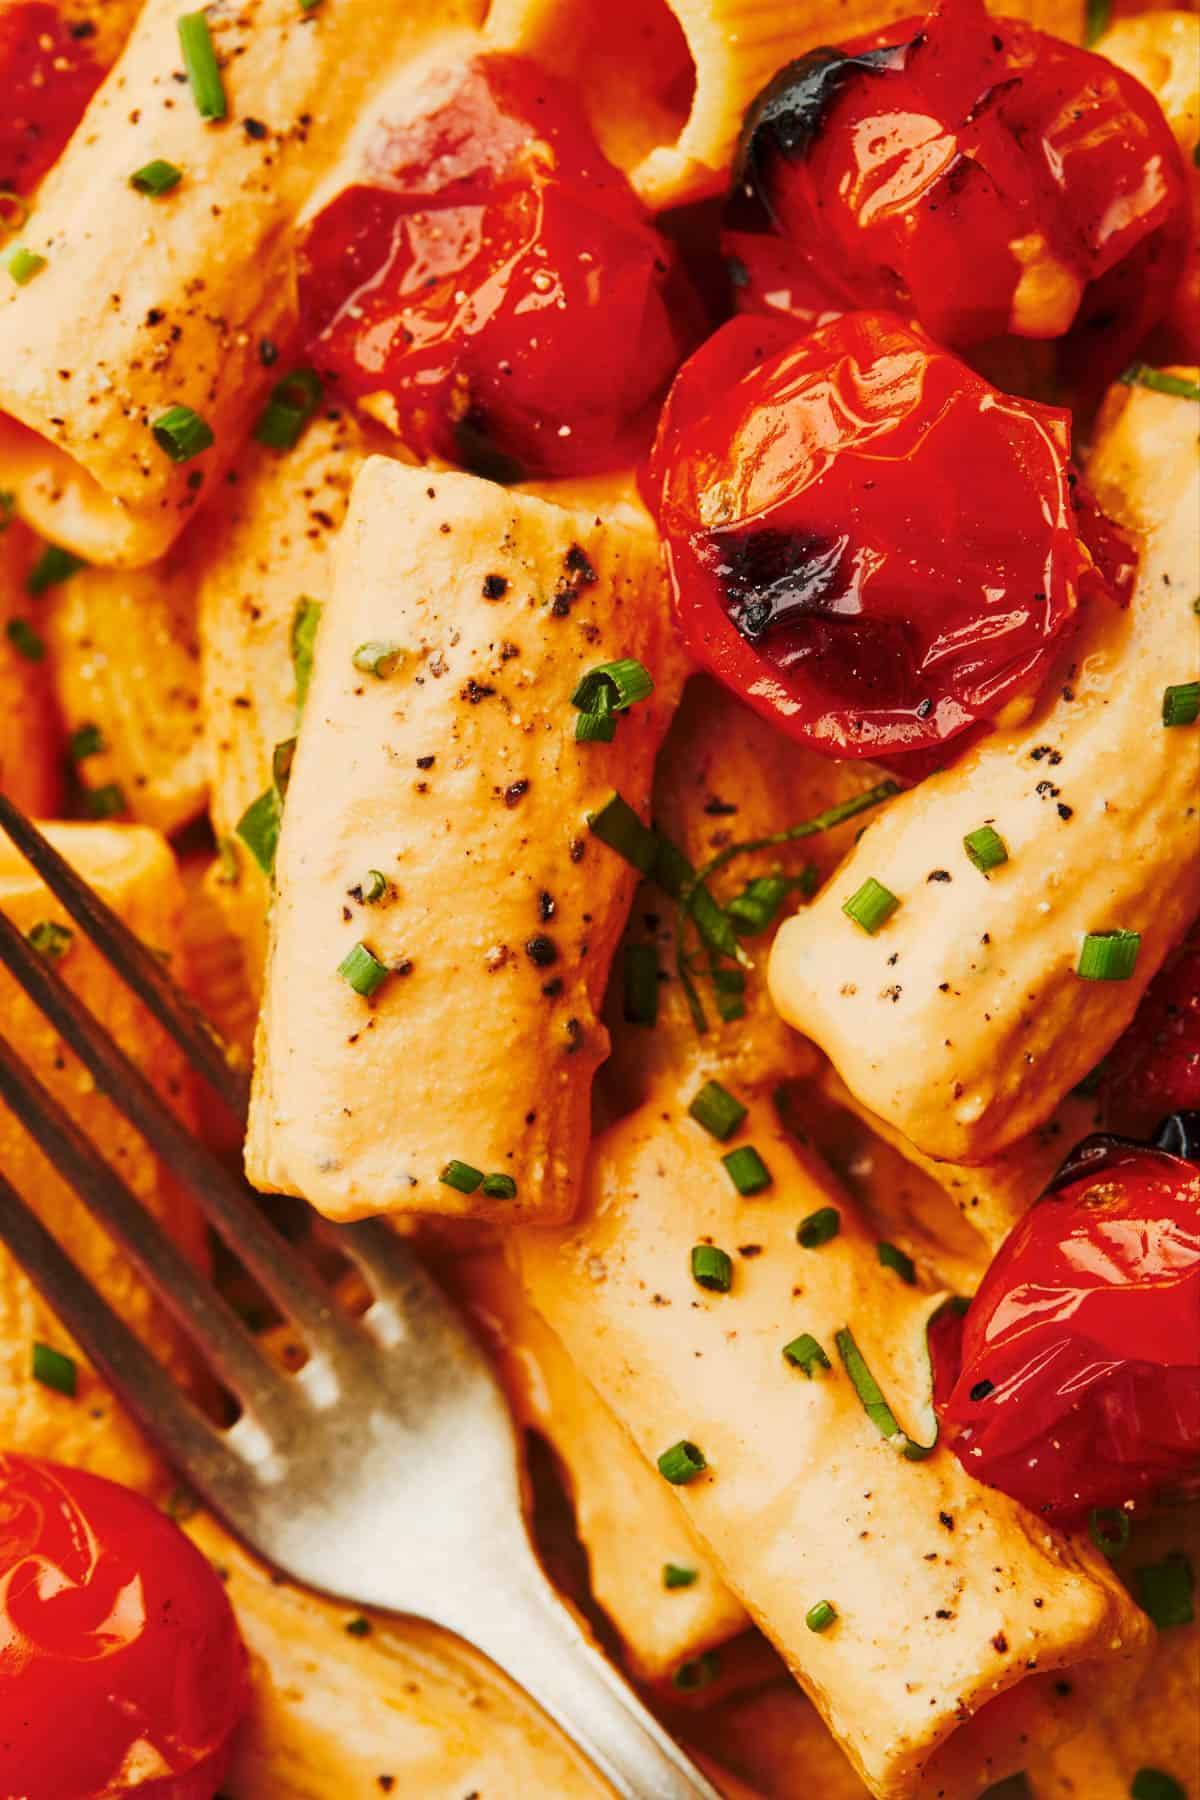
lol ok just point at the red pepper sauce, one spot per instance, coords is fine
(498, 281)
(47, 77)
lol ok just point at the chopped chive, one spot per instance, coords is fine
(712, 1268)
(156, 178)
(985, 848)
(1181, 703)
(50, 939)
(747, 1170)
(363, 971)
(358, 1627)
(819, 1227)
(282, 758)
(805, 1353)
(85, 741)
(499, 1187)
(729, 992)
(107, 802)
(681, 1463)
(640, 984)
(290, 405)
(54, 1370)
(372, 887)
(1108, 955)
(755, 909)
(1153, 1784)
(54, 565)
(309, 5)
(24, 264)
(379, 659)
(259, 828)
(617, 825)
(200, 61)
(608, 689)
(892, 1258)
(599, 724)
(715, 1108)
(1140, 374)
(674, 1575)
(228, 868)
(182, 433)
(821, 1616)
(698, 1673)
(305, 620)
(25, 640)
(1109, 1529)
(1164, 1590)
(1097, 15)
(872, 905)
(461, 1176)
(873, 1402)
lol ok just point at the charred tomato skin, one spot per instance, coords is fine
(865, 540)
(496, 280)
(1076, 1385)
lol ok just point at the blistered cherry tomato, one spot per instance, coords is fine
(498, 281)
(121, 1669)
(971, 173)
(1154, 1068)
(47, 77)
(866, 541)
(1079, 1380)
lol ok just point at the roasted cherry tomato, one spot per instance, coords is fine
(121, 1669)
(47, 77)
(498, 281)
(1079, 1380)
(866, 540)
(972, 174)
(1154, 1068)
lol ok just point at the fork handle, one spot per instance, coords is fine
(523, 1626)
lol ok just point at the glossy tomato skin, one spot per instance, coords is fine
(971, 173)
(47, 77)
(121, 1668)
(498, 279)
(1079, 1379)
(866, 541)
(1154, 1067)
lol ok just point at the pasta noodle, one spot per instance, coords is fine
(30, 742)
(487, 609)
(670, 113)
(133, 870)
(985, 1025)
(186, 291)
(127, 679)
(805, 1500)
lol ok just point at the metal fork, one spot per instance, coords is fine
(386, 1471)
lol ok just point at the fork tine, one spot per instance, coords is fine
(165, 1413)
(226, 1200)
(142, 971)
(197, 1308)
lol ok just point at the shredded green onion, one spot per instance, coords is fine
(873, 1402)
(50, 939)
(747, 1170)
(892, 1258)
(182, 433)
(1153, 1784)
(363, 971)
(819, 1227)
(674, 1575)
(156, 178)
(85, 741)
(1097, 15)
(305, 622)
(1181, 703)
(106, 802)
(821, 1616)
(461, 1176)
(985, 848)
(640, 985)
(55, 1370)
(259, 828)
(1108, 955)
(291, 404)
(1140, 374)
(712, 1268)
(698, 1673)
(1165, 1590)
(1109, 1529)
(24, 264)
(605, 691)
(379, 659)
(499, 1187)
(871, 906)
(53, 565)
(25, 640)
(805, 1353)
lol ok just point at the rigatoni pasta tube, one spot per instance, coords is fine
(963, 1021)
(183, 289)
(444, 922)
(803, 1500)
(666, 83)
(633, 1529)
(133, 870)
